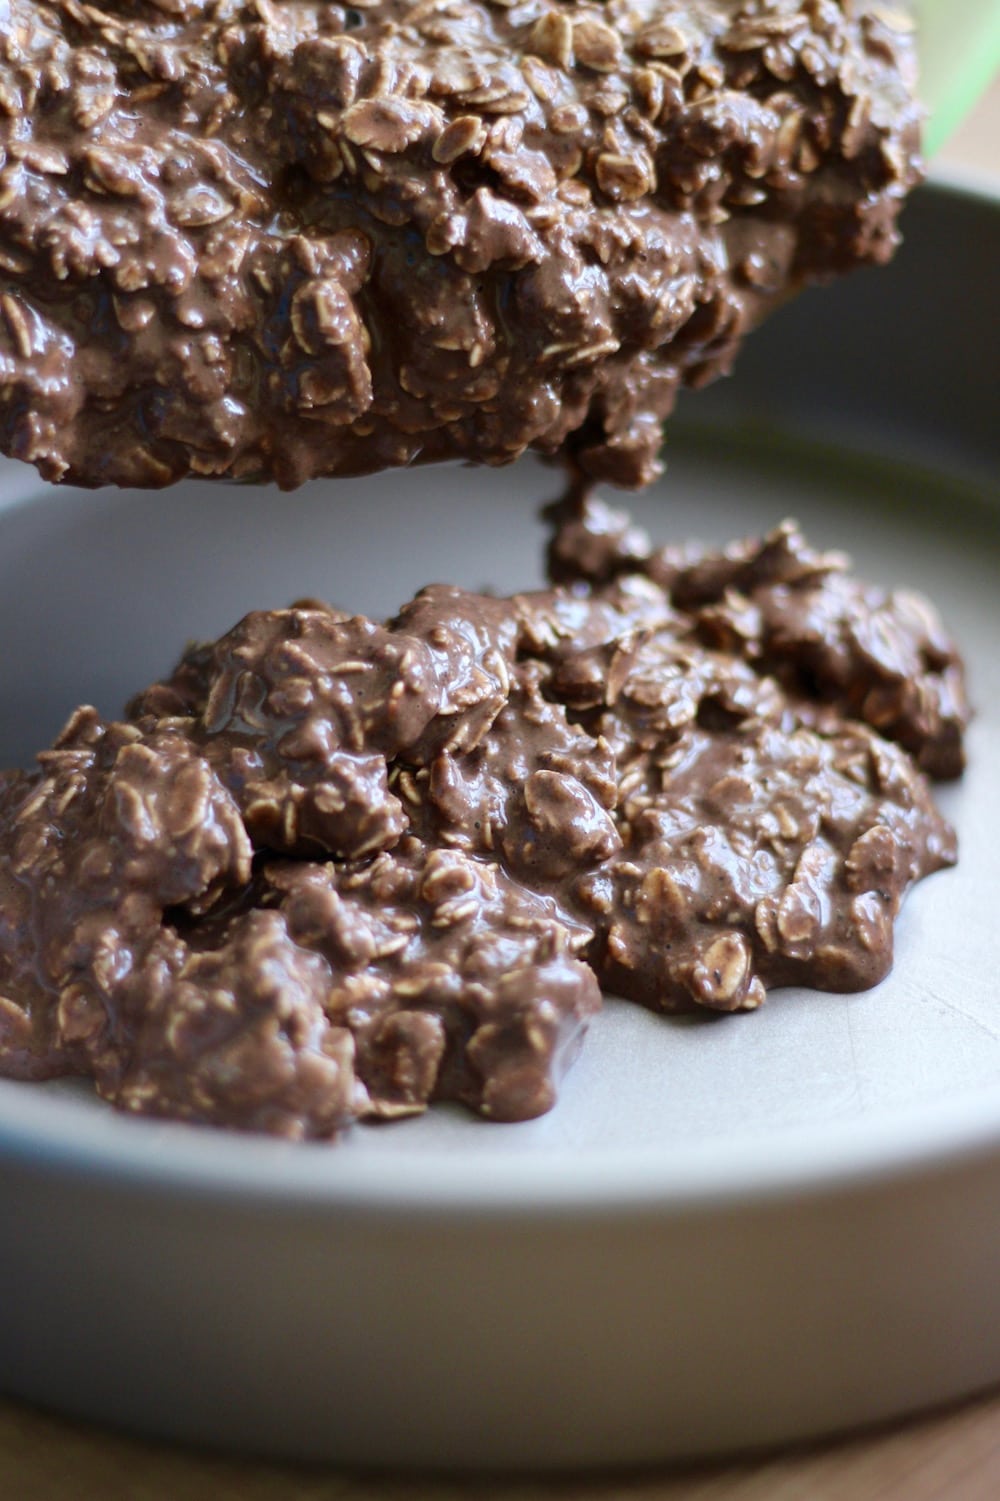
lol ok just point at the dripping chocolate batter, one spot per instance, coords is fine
(275, 239)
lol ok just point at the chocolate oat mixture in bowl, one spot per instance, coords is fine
(334, 868)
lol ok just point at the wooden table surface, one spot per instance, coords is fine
(953, 1456)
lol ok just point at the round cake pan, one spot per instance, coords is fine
(728, 1233)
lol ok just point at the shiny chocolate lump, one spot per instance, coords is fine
(333, 869)
(274, 239)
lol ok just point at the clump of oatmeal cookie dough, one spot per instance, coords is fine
(281, 239)
(334, 869)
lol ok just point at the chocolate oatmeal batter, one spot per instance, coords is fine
(333, 869)
(274, 239)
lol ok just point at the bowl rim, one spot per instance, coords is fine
(88, 1143)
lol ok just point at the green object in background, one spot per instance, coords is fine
(959, 54)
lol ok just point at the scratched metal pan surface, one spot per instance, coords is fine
(728, 1233)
